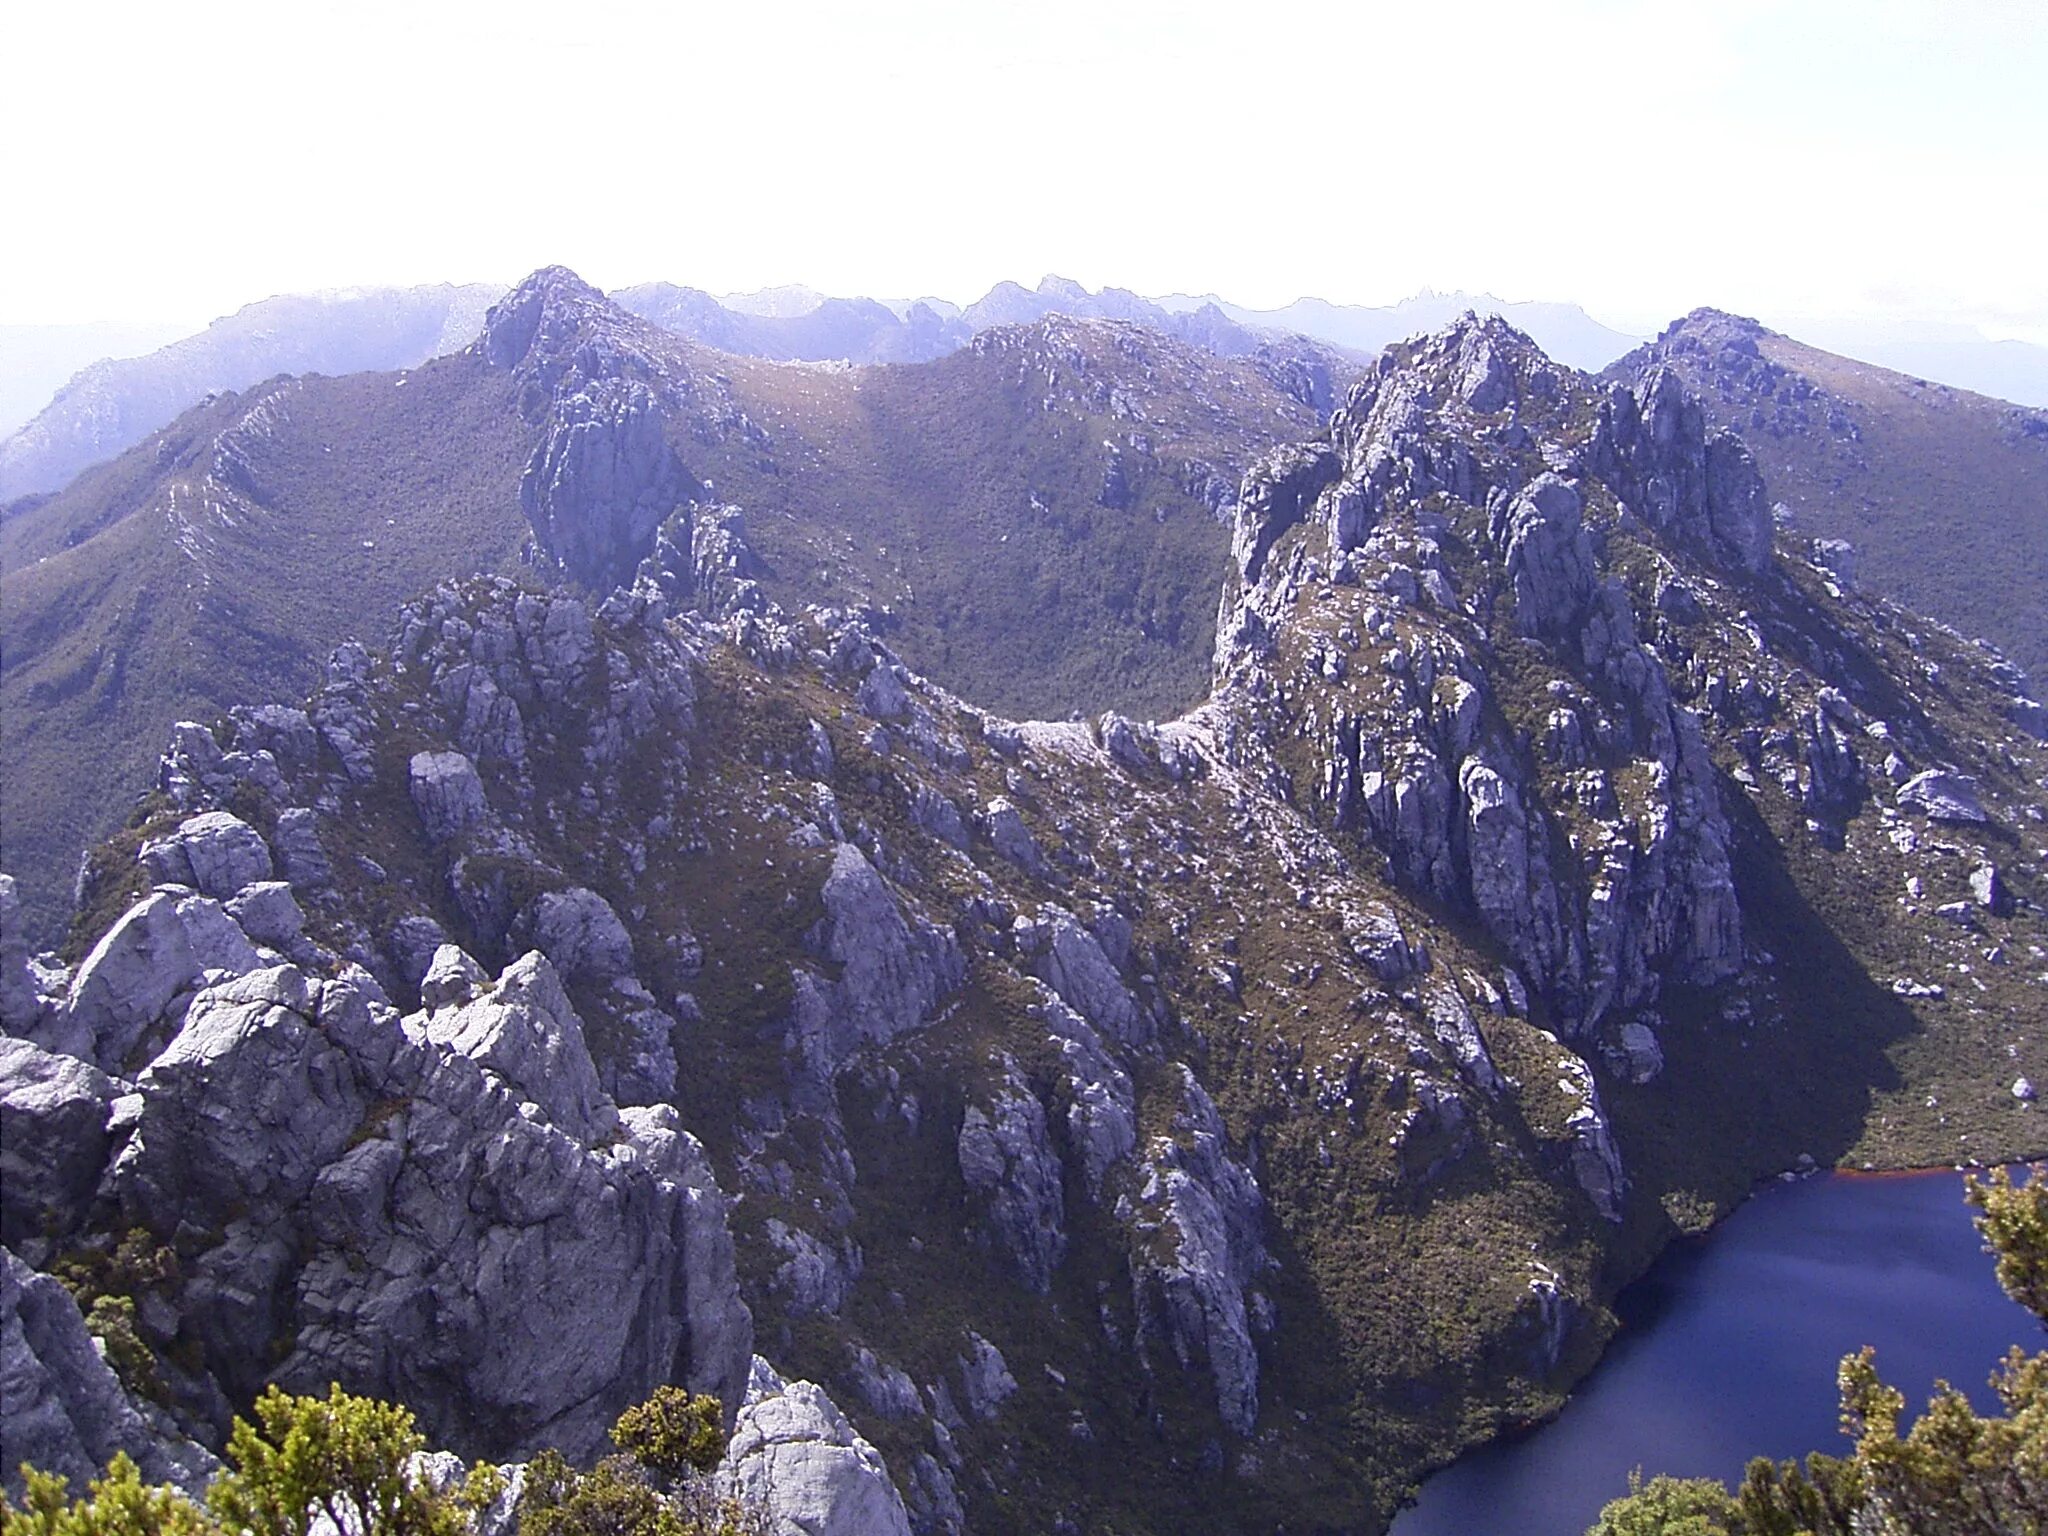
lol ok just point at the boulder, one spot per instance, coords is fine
(1943, 796)
(451, 979)
(1642, 1055)
(794, 1456)
(268, 913)
(1989, 891)
(447, 793)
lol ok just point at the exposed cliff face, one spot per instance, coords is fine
(1454, 518)
(1137, 1122)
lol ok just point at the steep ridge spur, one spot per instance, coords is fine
(1037, 518)
(1933, 496)
(114, 403)
(1194, 1125)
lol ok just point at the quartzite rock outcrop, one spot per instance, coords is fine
(445, 1209)
(1203, 1102)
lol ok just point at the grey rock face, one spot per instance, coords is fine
(61, 1409)
(53, 1141)
(1375, 937)
(724, 568)
(1102, 1114)
(1595, 1159)
(1549, 558)
(794, 1455)
(892, 969)
(19, 1002)
(451, 979)
(579, 932)
(126, 990)
(1009, 1164)
(602, 480)
(1012, 839)
(526, 1031)
(1196, 1303)
(813, 1276)
(985, 1379)
(887, 1390)
(1459, 1035)
(448, 1212)
(1076, 967)
(300, 856)
(448, 794)
(1278, 494)
(882, 695)
(1652, 445)
(215, 852)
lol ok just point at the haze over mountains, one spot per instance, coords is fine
(114, 404)
(1194, 1123)
(110, 393)
(38, 360)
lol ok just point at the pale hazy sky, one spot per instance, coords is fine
(1777, 157)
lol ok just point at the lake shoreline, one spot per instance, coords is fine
(1880, 1209)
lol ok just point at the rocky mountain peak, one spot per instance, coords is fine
(549, 305)
(1477, 501)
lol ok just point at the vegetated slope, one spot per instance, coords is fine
(1959, 355)
(114, 404)
(1943, 493)
(1206, 1126)
(223, 558)
(1038, 519)
(1040, 516)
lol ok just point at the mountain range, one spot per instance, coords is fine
(1038, 513)
(1165, 928)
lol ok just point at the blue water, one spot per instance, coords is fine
(1729, 1347)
